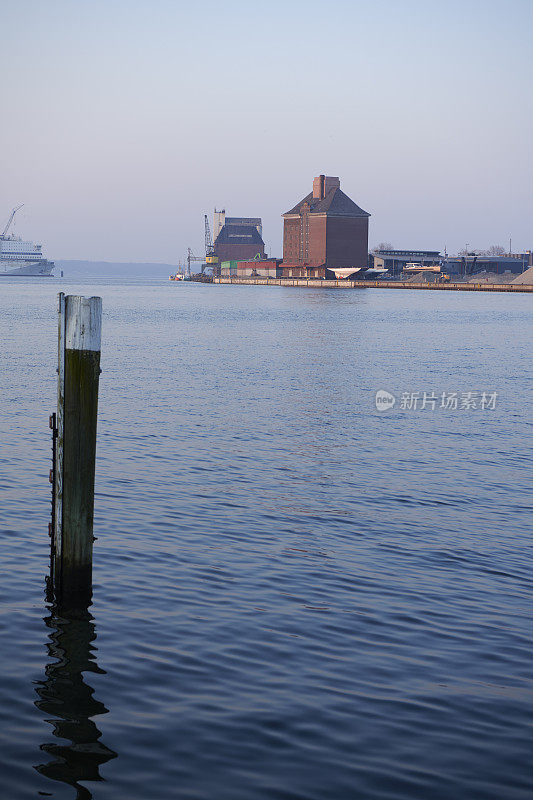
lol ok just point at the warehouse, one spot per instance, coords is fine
(237, 238)
(324, 230)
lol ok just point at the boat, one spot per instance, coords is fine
(412, 267)
(180, 275)
(19, 258)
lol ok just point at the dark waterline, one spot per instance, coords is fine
(295, 596)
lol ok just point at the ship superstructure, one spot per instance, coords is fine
(21, 258)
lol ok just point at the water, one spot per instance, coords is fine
(295, 596)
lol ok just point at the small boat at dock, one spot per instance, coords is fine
(180, 274)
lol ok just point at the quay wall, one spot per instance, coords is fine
(313, 283)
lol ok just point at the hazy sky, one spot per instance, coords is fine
(124, 121)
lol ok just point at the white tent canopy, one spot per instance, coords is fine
(345, 272)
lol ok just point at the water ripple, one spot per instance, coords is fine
(295, 597)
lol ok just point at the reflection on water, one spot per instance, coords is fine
(69, 704)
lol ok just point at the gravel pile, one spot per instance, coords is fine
(422, 277)
(492, 277)
(525, 277)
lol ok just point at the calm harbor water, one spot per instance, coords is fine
(296, 597)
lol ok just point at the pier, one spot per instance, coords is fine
(314, 283)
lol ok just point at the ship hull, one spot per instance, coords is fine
(26, 269)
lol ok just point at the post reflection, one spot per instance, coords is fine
(69, 704)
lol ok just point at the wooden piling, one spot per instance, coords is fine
(79, 334)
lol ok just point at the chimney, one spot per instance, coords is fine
(331, 183)
(322, 185)
(318, 187)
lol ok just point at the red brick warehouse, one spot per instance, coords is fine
(323, 231)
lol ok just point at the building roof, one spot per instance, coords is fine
(500, 260)
(243, 221)
(260, 261)
(409, 253)
(239, 234)
(334, 204)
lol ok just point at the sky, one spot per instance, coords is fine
(124, 121)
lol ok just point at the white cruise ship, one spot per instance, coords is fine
(20, 258)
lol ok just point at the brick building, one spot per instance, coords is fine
(239, 240)
(324, 230)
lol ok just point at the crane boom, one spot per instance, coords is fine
(210, 257)
(10, 220)
(191, 257)
(208, 240)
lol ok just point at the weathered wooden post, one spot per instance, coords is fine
(80, 322)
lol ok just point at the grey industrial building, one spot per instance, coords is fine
(470, 264)
(395, 260)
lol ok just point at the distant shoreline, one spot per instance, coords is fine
(75, 268)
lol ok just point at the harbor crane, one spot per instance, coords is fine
(10, 220)
(191, 257)
(211, 259)
(208, 240)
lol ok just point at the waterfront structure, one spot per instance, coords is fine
(237, 238)
(326, 229)
(524, 283)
